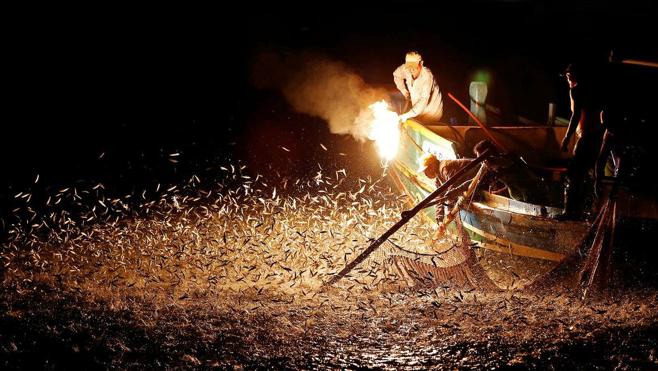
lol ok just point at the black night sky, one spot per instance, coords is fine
(129, 86)
(86, 81)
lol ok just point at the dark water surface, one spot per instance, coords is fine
(224, 270)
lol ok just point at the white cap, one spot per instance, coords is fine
(412, 57)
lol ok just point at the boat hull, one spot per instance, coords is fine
(514, 241)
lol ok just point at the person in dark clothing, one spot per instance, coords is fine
(611, 146)
(585, 122)
(441, 171)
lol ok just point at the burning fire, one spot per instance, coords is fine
(384, 130)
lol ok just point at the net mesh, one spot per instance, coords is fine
(449, 262)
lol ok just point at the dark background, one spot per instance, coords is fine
(107, 94)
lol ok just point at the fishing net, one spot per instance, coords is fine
(447, 261)
(453, 265)
(589, 269)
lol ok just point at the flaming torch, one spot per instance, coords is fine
(384, 130)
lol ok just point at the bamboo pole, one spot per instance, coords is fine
(405, 217)
(486, 130)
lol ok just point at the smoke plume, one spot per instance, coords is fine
(321, 87)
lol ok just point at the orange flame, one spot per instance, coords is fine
(384, 130)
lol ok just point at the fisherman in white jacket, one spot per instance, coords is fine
(416, 83)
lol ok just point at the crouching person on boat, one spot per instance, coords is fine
(441, 171)
(519, 181)
(417, 85)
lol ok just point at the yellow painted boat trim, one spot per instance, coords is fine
(414, 177)
(411, 197)
(424, 131)
(505, 246)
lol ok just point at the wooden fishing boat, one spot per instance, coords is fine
(514, 241)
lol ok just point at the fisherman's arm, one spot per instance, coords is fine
(421, 103)
(573, 121)
(448, 170)
(398, 78)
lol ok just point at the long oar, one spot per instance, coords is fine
(485, 129)
(406, 216)
(497, 143)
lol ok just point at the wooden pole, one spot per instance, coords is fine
(486, 130)
(406, 216)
